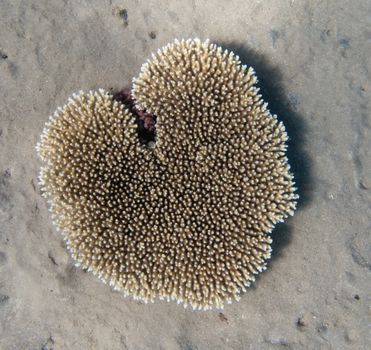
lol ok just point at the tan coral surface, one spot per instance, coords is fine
(188, 220)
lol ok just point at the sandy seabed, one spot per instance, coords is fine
(313, 61)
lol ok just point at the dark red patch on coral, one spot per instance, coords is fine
(146, 121)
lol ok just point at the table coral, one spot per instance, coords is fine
(188, 219)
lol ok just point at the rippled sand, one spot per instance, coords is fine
(313, 61)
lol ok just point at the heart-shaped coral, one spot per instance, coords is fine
(189, 219)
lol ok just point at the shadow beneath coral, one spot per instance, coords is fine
(285, 105)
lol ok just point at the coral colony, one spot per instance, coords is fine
(189, 218)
